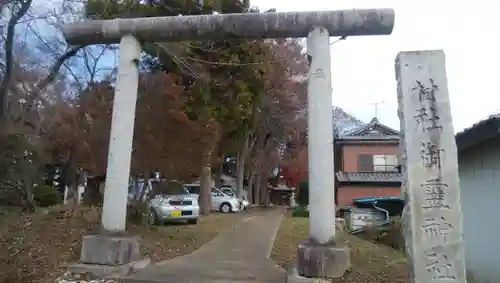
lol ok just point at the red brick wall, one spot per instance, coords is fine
(351, 152)
(345, 194)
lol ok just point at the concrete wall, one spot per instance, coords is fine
(479, 170)
(351, 152)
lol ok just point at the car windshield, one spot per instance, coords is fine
(228, 191)
(168, 188)
(193, 189)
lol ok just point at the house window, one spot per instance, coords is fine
(377, 163)
(365, 163)
(385, 163)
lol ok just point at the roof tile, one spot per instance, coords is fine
(368, 177)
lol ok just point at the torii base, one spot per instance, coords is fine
(109, 255)
(320, 261)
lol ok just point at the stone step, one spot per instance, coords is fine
(193, 280)
(207, 274)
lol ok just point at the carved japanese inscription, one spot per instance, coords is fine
(427, 116)
(431, 155)
(437, 228)
(433, 236)
(425, 92)
(435, 194)
(440, 266)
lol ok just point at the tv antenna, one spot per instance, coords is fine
(375, 107)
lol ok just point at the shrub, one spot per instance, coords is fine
(303, 196)
(300, 211)
(47, 196)
(389, 235)
(137, 212)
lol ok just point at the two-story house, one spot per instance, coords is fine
(366, 163)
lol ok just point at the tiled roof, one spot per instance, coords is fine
(480, 123)
(374, 123)
(478, 133)
(369, 177)
(364, 138)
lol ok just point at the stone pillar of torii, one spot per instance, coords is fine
(320, 255)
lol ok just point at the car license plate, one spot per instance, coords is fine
(176, 213)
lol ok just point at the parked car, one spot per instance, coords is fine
(173, 202)
(228, 190)
(220, 201)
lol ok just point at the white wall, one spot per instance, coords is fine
(479, 170)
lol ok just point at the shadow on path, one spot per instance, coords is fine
(239, 255)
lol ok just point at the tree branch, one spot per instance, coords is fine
(9, 64)
(54, 70)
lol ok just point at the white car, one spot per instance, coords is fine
(220, 201)
(230, 192)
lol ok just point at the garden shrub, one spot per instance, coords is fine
(303, 195)
(300, 211)
(46, 196)
(389, 235)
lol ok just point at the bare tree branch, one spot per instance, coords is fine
(9, 64)
(54, 70)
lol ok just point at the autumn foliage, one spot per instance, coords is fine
(199, 104)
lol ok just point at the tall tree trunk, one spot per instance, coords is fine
(73, 188)
(70, 181)
(248, 144)
(218, 175)
(27, 183)
(257, 187)
(263, 192)
(92, 195)
(240, 174)
(250, 194)
(206, 183)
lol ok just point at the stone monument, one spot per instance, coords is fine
(293, 203)
(432, 216)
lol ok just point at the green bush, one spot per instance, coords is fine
(300, 211)
(46, 196)
(303, 196)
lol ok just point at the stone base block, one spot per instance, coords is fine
(105, 249)
(322, 261)
(108, 271)
(294, 277)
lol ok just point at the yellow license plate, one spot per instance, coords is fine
(176, 213)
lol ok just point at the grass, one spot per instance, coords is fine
(371, 262)
(38, 247)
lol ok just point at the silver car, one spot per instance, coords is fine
(173, 203)
(220, 201)
(230, 192)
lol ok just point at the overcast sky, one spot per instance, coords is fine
(363, 67)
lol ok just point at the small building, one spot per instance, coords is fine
(366, 164)
(479, 169)
(227, 180)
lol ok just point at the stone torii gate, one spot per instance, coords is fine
(320, 255)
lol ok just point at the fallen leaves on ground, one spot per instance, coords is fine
(371, 262)
(37, 247)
